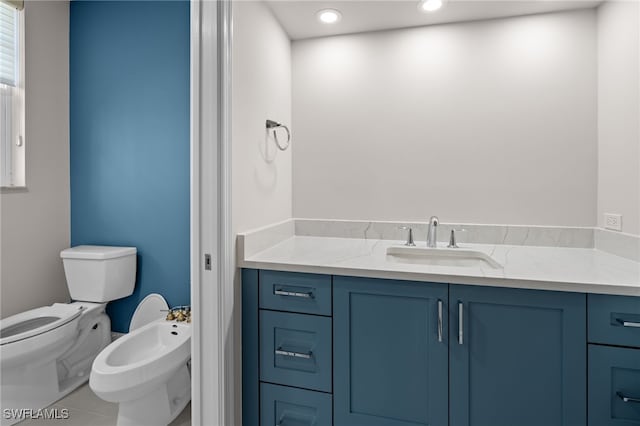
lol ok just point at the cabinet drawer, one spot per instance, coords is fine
(294, 292)
(295, 350)
(614, 386)
(281, 405)
(614, 320)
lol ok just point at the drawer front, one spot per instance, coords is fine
(614, 386)
(295, 350)
(284, 406)
(294, 292)
(614, 320)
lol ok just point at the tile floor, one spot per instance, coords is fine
(86, 409)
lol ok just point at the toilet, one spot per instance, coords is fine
(47, 352)
(146, 371)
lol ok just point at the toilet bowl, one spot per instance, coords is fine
(146, 372)
(47, 352)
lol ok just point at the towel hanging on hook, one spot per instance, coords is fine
(274, 125)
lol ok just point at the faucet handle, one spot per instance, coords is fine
(409, 242)
(452, 237)
(452, 240)
(178, 313)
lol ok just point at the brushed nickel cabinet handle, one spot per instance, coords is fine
(627, 398)
(304, 295)
(304, 355)
(628, 323)
(439, 320)
(460, 324)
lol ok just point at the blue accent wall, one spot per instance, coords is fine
(129, 79)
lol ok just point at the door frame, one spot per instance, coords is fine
(212, 381)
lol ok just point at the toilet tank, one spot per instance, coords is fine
(99, 273)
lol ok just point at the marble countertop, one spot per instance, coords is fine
(546, 268)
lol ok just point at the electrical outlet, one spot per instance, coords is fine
(613, 221)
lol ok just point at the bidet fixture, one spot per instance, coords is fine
(432, 235)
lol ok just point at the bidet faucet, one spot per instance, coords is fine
(432, 235)
(179, 313)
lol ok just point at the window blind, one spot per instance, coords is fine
(8, 45)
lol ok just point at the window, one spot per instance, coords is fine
(12, 173)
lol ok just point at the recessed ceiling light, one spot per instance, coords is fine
(430, 5)
(329, 16)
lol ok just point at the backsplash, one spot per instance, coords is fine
(483, 234)
(619, 244)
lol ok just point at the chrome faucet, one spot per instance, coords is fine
(432, 235)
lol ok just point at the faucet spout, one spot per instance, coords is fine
(432, 235)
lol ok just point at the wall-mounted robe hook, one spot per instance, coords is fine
(274, 125)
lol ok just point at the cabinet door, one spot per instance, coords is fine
(390, 353)
(517, 357)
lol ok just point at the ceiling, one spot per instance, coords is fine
(298, 17)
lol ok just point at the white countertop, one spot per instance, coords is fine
(546, 268)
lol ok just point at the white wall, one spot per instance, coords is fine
(261, 91)
(34, 223)
(619, 112)
(261, 175)
(486, 122)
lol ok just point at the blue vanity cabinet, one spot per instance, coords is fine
(399, 353)
(390, 364)
(286, 349)
(517, 357)
(614, 360)
(250, 349)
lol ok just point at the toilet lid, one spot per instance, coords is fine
(151, 308)
(37, 321)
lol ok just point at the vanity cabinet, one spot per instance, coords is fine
(398, 353)
(287, 349)
(390, 353)
(517, 357)
(614, 360)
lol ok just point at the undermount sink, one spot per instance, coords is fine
(454, 257)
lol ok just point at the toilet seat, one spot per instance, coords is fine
(37, 321)
(152, 307)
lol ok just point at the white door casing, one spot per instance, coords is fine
(211, 287)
